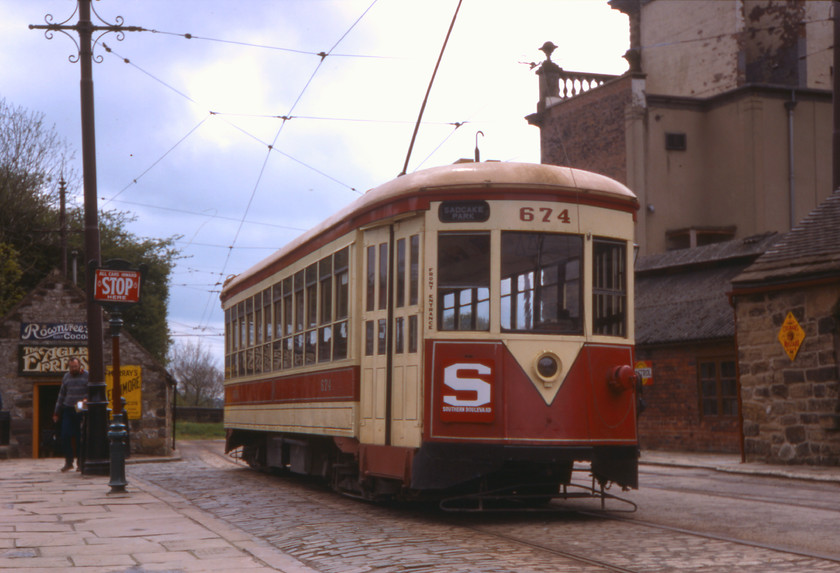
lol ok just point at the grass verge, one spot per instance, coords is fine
(198, 430)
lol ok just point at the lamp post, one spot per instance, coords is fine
(115, 286)
(96, 458)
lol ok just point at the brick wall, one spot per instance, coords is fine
(791, 407)
(587, 131)
(673, 418)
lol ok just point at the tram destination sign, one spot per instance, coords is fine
(120, 286)
(464, 211)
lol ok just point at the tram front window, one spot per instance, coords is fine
(541, 282)
(464, 281)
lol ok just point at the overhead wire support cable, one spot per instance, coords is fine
(429, 89)
(189, 36)
(323, 56)
(222, 115)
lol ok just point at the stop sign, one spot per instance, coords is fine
(112, 285)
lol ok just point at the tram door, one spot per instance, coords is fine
(391, 362)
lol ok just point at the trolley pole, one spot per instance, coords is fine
(96, 455)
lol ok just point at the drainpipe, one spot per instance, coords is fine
(790, 106)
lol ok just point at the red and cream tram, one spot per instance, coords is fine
(465, 328)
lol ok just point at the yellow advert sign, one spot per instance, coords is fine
(791, 335)
(130, 386)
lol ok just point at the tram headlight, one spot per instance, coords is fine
(622, 378)
(548, 367)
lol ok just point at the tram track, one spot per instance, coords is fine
(570, 538)
(712, 536)
(608, 563)
(741, 497)
(573, 556)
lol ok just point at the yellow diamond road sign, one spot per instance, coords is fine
(791, 335)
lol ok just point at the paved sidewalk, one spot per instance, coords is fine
(54, 521)
(732, 463)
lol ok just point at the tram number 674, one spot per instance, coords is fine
(544, 214)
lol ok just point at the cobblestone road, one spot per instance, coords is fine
(331, 533)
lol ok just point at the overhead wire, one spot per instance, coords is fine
(189, 36)
(323, 56)
(202, 214)
(221, 115)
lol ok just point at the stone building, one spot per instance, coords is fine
(788, 327)
(721, 125)
(37, 338)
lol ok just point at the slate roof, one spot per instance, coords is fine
(682, 295)
(810, 251)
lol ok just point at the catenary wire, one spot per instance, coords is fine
(268, 155)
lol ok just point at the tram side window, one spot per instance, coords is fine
(228, 342)
(249, 321)
(240, 319)
(268, 315)
(609, 288)
(341, 265)
(414, 269)
(464, 281)
(278, 311)
(400, 273)
(342, 279)
(257, 328)
(541, 286)
(371, 278)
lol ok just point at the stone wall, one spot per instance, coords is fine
(56, 300)
(791, 407)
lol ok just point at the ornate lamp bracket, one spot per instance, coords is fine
(85, 28)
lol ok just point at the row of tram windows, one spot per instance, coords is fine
(541, 286)
(300, 320)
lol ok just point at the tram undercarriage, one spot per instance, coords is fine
(461, 477)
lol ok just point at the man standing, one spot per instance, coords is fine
(74, 388)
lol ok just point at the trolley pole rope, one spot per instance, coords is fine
(429, 89)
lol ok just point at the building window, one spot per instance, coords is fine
(718, 387)
(692, 237)
(675, 142)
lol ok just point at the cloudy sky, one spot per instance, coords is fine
(190, 131)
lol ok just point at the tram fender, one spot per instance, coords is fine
(391, 462)
(619, 464)
(439, 466)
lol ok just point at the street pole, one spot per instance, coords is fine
(97, 416)
(96, 458)
(118, 430)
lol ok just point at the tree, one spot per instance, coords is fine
(10, 273)
(32, 160)
(145, 321)
(199, 381)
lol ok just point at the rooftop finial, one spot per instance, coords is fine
(548, 48)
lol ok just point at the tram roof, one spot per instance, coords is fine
(535, 177)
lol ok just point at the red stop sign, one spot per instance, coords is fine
(116, 286)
